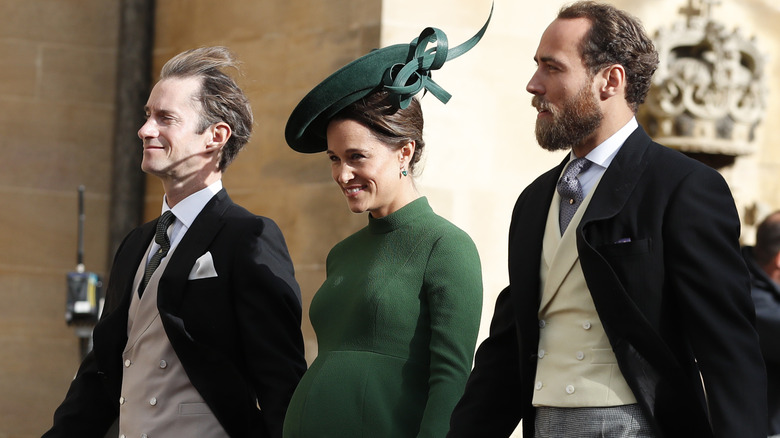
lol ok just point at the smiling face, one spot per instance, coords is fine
(367, 170)
(173, 149)
(563, 88)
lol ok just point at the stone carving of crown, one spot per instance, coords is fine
(708, 94)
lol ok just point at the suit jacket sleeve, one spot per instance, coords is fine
(268, 309)
(709, 277)
(89, 410)
(767, 323)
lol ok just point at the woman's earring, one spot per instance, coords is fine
(403, 172)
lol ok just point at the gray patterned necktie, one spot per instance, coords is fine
(161, 237)
(570, 189)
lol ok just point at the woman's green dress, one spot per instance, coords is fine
(396, 323)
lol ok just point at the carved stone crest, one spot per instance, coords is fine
(708, 94)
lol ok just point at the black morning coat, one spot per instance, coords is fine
(238, 335)
(674, 301)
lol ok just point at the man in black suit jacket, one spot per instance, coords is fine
(763, 261)
(215, 349)
(658, 257)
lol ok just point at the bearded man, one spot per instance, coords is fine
(628, 312)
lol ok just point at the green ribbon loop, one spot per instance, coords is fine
(404, 81)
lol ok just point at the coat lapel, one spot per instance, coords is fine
(616, 186)
(619, 180)
(110, 332)
(526, 236)
(123, 272)
(530, 225)
(622, 318)
(193, 245)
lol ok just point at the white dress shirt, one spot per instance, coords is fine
(601, 157)
(186, 211)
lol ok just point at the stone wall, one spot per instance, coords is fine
(57, 75)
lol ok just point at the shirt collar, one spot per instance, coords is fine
(188, 209)
(604, 153)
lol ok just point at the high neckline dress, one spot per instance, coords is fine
(396, 322)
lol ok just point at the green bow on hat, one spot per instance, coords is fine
(402, 70)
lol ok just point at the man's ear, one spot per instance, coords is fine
(220, 133)
(612, 81)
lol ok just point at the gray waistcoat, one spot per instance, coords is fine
(158, 399)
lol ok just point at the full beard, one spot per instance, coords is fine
(579, 118)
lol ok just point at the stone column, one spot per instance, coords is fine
(136, 36)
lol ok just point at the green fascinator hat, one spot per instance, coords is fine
(402, 69)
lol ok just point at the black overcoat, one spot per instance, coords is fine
(659, 248)
(237, 335)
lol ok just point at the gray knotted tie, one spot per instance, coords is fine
(161, 237)
(570, 189)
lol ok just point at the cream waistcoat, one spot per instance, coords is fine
(158, 399)
(576, 366)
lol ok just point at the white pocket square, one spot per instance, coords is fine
(203, 267)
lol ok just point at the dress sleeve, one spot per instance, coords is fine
(491, 404)
(453, 287)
